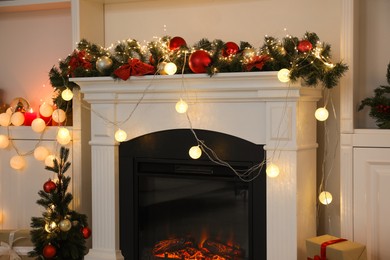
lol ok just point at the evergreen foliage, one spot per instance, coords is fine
(70, 245)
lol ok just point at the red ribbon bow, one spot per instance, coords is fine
(79, 59)
(134, 67)
(257, 62)
(323, 248)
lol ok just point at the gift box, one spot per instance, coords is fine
(15, 244)
(328, 247)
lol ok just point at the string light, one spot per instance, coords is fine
(195, 152)
(120, 135)
(17, 162)
(49, 161)
(284, 75)
(170, 68)
(181, 106)
(46, 110)
(40, 153)
(67, 94)
(4, 141)
(17, 119)
(63, 136)
(325, 197)
(58, 115)
(5, 119)
(321, 114)
(38, 125)
(272, 170)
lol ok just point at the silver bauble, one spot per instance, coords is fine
(103, 64)
(65, 225)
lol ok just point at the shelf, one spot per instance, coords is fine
(32, 5)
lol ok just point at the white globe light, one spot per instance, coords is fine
(38, 125)
(9, 111)
(325, 197)
(17, 162)
(321, 114)
(120, 135)
(284, 75)
(195, 152)
(161, 68)
(181, 106)
(64, 140)
(17, 119)
(170, 68)
(4, 141)
(58, 115)
(67, 94)
(63, 132)
(40, 153)
(272, 170)
(46, 110)
(49, 160)
(5, 119)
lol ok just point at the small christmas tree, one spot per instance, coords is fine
(61, 232)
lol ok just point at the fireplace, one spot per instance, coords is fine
(255, 107)
(174, 207)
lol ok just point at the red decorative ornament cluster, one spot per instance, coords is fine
(49, 186)
(304, 46)
(230, 48)
(176, 43)
(199, 61)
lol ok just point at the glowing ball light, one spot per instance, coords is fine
(17, 119)
(4, 141)
(5, 119)
(40, 153)
(284, 75)
(46, 110)
(17, 162)
(58, 115)
(38, 125)
(181, 106)
(170, 68)
(321, 114)
(63, 136)
(195, 152)
(49, 161)
(67, 94)
(325, 197)
(120, 135)
(272, 170)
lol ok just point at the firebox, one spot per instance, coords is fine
(175, 207)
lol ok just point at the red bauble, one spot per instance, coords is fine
(49, 251)
(198, 61)
(49, 186)
(305, 46)
(176, 42)
(86, 232)
(230, 48)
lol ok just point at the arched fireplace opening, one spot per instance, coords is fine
(174, 207)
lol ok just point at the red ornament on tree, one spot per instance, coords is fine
(49, 251)
(198, 61)
(49, 186)
(176, 42)
(230, 48)
(87, 232)
(305, 46)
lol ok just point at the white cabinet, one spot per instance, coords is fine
(371, 205)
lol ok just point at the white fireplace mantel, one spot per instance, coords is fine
(253, 106)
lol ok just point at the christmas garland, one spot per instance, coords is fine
(306, 58)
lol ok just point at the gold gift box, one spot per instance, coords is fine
(345, 250)
(21, 243)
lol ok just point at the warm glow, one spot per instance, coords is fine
(181, 106)
(17, 119)
(17, 162)
(170, 68)
(38, 125)
(325, 197)
(272, 170)
(50, 227)
(120, 135)
(67, 94)
(64, 140)
(195, 152)
(4, 141)
(58, 115)
(63, 132)
(321, 114)
(5, 119)
(284, 75)
(49, 161)
(46, 110)
(40, 153)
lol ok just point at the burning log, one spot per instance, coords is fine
(221, 249)
(172, 245)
